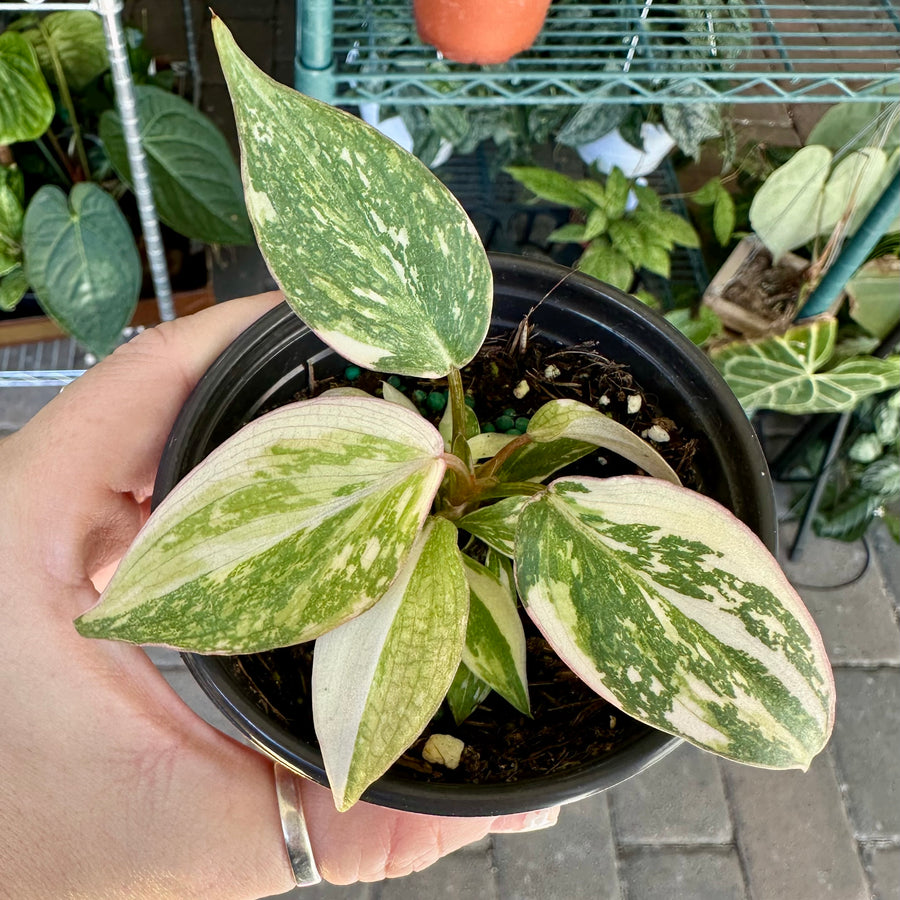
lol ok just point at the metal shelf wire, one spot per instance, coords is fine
(624, 51)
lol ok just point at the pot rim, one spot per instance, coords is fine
(580, 295)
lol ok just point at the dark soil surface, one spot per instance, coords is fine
(771, 291)
(571, 726)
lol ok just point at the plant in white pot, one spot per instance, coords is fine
(338, 519)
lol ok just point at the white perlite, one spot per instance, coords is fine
(443, 750)
(552, 372)
(521, 389)
(656, 433)
(634, 404)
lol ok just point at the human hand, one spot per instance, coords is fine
(109, 785)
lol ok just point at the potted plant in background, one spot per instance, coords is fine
(67, 224)
(341, 518)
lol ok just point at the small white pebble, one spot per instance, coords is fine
(443, 750)
(552, 372)
(521, 389)
(603, 401)
(655, 433)
(634, 404)
(602, 460)
(612, 721)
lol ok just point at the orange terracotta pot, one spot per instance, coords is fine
(480, 31)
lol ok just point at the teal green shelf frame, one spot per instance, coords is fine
(620, 52)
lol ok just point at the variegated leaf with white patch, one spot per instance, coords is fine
(403, 653)
(370, 249)
(683, 621)
(495, 639)
(466, 693)
(300, 522)
(495, 524)
(572, 420)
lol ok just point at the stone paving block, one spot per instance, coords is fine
(883, 864)
(680, 800)
(164, 657)
(463, 875)
(793, 833)
(682, 874)
(19, 404)
(325, 891)
(887, 558)
(866, 741)
(574, 860)
(858, 622)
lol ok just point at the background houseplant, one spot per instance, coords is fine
(65, 209)
(725, 654)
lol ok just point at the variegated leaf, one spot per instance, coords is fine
(297, 524)
(571, 420)
(26, 104)
(378, 679)
(488, 443)
(537, 462)
(495, 639)
(668, 606)
(393, 395)
(466, 693)
(785, 373)
(370, 249)
(496, 524)
(445, 426)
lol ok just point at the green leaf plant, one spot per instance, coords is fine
(67, 237)
(622, 226)
(338, 519)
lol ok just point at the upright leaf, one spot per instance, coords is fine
(76, 39)
(786, 373)
(196, 184)
(466, 693)
(496, 524)
(572, 420)
(371, 250)
(26, 105)
(297, 524)
(82, 263)
(495, 639)
(685, 622)
(404, 653)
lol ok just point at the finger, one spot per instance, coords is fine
(91, 454)
(533, 821)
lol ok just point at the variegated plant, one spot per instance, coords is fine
(338, 518)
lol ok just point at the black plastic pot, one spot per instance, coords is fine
(270, 361)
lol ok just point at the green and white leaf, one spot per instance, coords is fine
(685, 622)
(378, 679)
(370, 249)
(785, 210)
(496, 524)
(82, 263)
(538, 461)
(76, 38)
(394, 395)
(297, 524)
(13, 285)
(495, 639)
(850, 191)
(488, 443)
(445, 426)
(785, 373)
(549, 185)
(572, 420)
(605, 263)
(26, 104)
(196, 184)
(466, 693)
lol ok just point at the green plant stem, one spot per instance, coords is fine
(67, 175)
(67, 100)
(457, 405)
(490, 468)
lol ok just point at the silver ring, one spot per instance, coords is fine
(293, 826)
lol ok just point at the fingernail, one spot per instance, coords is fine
(542, 818)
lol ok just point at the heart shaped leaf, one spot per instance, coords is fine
(196, 184)
(26, 105)
(686, 623)
(404, 653)
(365, 242)
(495, 640)
(785, 373)
(75, 38)
(82, 263)
(297, 524)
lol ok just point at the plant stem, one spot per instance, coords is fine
(457, 405)
(67, 175)
(66, 99)
(489, 469)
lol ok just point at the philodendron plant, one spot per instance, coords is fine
(338, 519)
